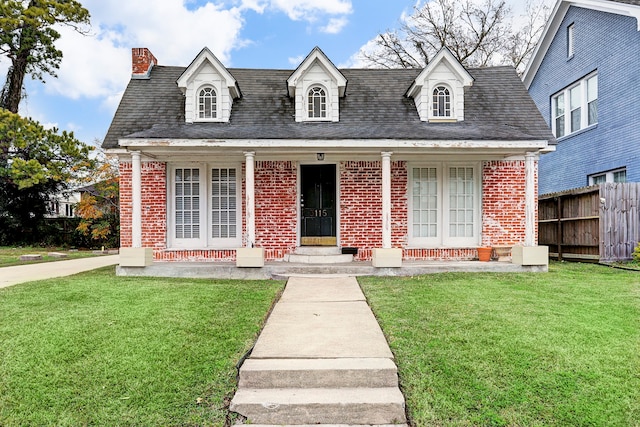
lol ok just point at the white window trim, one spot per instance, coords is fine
(329, 112)
(452, 103)
(196, 109)
(584, 107)
(443, 209)
(609, 175)
(205, 241)
(571, 45)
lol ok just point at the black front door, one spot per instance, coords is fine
(318, 203)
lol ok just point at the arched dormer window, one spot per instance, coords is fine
(207, 103)
(317, 103)
(441, 102)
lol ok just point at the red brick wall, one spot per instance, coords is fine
(154, 204)
(125, 204)
(361, 206)
(503, 207)
(276, 186)
(399, 204)
(503, 202)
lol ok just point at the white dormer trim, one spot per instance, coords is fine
(317, 70)
(443, 70)
(555, 20)
(207, 71)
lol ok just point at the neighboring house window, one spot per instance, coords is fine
(582, 109)
(441, 102)
(68, 209)
(207, 103)
(570, 40)
(205, 208)
(445, 205)
(317, 103)
(618, 175)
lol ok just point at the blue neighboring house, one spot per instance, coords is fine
(584, 77)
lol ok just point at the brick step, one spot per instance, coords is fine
(292, 406)
(318, 373)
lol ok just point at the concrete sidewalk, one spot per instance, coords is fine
(46, 270)
(320, 359)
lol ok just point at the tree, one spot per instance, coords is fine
(98, 207)
(478, 33)
(27, 38)
(35, 163)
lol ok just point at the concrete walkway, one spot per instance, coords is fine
(320, 359)
(46, 270)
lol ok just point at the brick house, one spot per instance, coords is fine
(584, 78)
(219, 164)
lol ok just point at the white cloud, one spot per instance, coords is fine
(99, 65)
(296, 60)
(357, 60)
(335, 25)
(308, 10)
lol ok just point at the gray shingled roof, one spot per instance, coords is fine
(631, 2)
(497, 107)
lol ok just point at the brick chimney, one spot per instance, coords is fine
(142, 61)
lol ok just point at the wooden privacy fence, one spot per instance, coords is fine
(597, 223)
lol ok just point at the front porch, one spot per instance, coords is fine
(282, 270)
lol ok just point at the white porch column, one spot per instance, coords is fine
(136, 200)
(530, 199)
(250, 207)
(386, 199)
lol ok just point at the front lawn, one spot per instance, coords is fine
(95, 349)
(556, 349)
(11, 255)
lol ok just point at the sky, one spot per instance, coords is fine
(277, 34)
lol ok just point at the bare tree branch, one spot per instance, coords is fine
(479, 33)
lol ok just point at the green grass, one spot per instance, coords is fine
(95, 349)
(11, 256)
(556, 349)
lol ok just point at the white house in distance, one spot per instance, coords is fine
(224, 165)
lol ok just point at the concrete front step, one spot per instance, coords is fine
(318, 373)
(331, 425)
(319, 259)
(318, 250)
(294, 406)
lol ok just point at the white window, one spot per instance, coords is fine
(317, 103)
(444, 205)
(207, 103)
(205, 207)
(617, 175)
(441, 102)
(570, 40)
(582, 109)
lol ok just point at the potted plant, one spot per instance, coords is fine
(484, 253)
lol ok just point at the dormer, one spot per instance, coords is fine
(317, 85)
(209, 89)
(438, 91)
